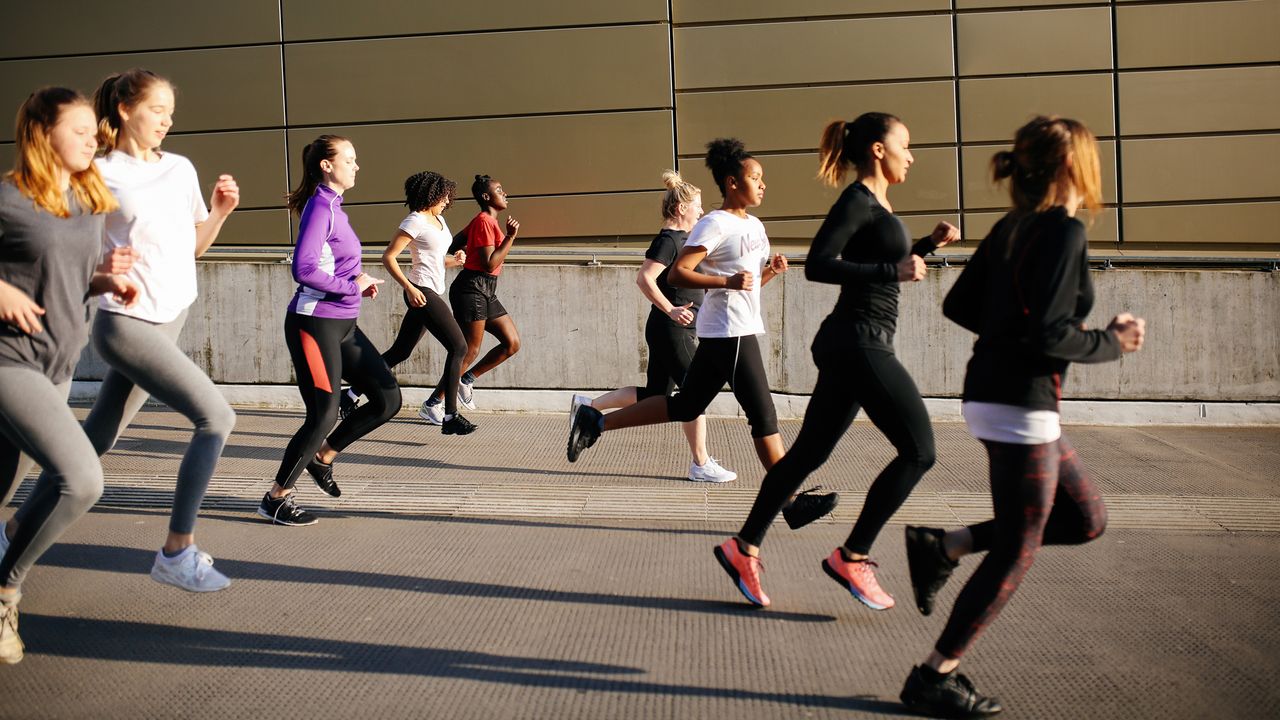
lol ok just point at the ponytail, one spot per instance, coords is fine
(324, 147)
(831, 165)
(127, 88)
(848, 144)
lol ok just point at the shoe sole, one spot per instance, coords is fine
(713, 480)
(468, 431)
(737, 578)
(275, 521)
(826, 566)
(12, 659)
(429, 420)
(164, 581)
(573, 410)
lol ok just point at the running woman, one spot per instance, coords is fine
(725, 253)
(865, 249)
(474, 295)
(1025, 293)
(669, 330)
(52, 210)
(321, 333)
(163, 220)
(427, 236)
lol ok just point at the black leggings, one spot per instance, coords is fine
(853, 379)
(671, 350)
(1041, 496)
(437, 318)
(733, 360)
(324, 351)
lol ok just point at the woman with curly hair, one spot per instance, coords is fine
(728, 255)
(427, 236)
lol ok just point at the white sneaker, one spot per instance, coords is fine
(432, 414)
(576, 402)
(466, 397)
(190, 570)
(710, 472)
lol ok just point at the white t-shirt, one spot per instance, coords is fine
(1011, 424)
(428, 247)
(733, 244)
(160, 206)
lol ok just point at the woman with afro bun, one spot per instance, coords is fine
(727, 255)
(424, 232)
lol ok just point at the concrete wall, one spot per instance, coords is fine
(1211, 334)
(578, 105)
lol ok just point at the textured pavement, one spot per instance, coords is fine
(486, 577)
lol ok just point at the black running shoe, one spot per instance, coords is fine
(807, 507)
(284, 511)
(951, 696)
(929, 565)
(584, 432)
(457, 425)
(346, 405)
(323, 475)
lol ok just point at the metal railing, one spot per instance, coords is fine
(634, 256)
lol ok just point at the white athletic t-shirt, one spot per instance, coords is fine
(160, 206)
(428, 248)
(733, 244)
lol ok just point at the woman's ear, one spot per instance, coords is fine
(877, 150)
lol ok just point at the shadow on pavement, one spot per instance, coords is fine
(130, 560)
(168, 644)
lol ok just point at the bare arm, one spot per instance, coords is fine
(684, 273)
(647, 281)
(225, 198)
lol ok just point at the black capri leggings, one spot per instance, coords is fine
(324, 351)
(1041, 496)
(849, 380)
(734, 360)
(437, 318)
(671, 349)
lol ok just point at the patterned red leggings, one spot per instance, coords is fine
(1041, 496)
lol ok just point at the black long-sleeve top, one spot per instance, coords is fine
(1026, 292)
(859, 247)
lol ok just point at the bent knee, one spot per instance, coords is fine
(513, 346)
(221, 422)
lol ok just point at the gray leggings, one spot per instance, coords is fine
(145, 360)
(35, 422)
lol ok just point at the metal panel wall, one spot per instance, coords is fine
(578, 105)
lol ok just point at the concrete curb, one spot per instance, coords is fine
(1075, 412)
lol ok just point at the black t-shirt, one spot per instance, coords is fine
(52, 260)
(663, 250)
(859, 247)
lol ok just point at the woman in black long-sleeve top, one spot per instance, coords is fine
(1026, 293)
(863, 247)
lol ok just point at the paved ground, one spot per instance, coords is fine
(486, 577)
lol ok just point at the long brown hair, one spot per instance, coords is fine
(847, 145)
(36, 165)
(324, 147)
(1050, 156)
(128, 89)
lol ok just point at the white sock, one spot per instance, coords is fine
(449, 416)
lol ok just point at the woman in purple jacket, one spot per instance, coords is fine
(320, 330)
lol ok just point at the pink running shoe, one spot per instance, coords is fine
(745, 571)
(859, 579)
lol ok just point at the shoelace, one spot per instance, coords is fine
(813, 489)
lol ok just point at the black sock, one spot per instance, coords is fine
(468, 378)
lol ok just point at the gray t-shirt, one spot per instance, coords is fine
(52, 260)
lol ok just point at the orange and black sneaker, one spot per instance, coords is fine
(859, 579)
(745, 571)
